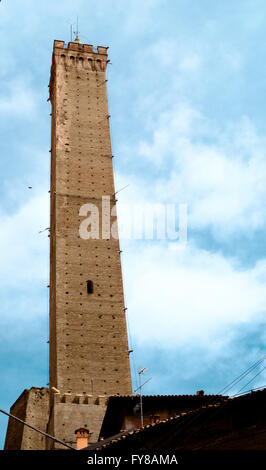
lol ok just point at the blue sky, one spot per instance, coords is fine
(186, 90)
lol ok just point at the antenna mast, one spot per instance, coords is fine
(140, 393)
(77, 32)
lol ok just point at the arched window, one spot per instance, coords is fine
(99, 64)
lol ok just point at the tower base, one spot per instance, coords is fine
(70, 412)
(59, 415)
(32, 407)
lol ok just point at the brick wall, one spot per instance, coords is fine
(88, 338)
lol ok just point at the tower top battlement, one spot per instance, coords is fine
(79, 55)
(75, 46)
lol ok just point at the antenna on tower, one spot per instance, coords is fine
(141, 371)
(71, 33)
(77, 33)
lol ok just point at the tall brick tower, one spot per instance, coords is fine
(88, 339)
(89, 357)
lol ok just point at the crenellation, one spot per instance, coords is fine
(87, 48)
(80, 56)
(83, 398)
(60, 44)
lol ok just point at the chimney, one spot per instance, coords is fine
(200, 393)
(82, 438)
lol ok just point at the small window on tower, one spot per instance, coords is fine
(89, 287)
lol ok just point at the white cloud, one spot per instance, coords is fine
(19, 101)
(219, 173)
(24, 252)
(190, 63)
(189, 297)
(184, 59)
(138, 15)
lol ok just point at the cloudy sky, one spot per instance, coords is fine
(187, 89)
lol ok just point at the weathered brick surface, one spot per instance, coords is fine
(33, 407)
(88, 338)
(71, 411)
